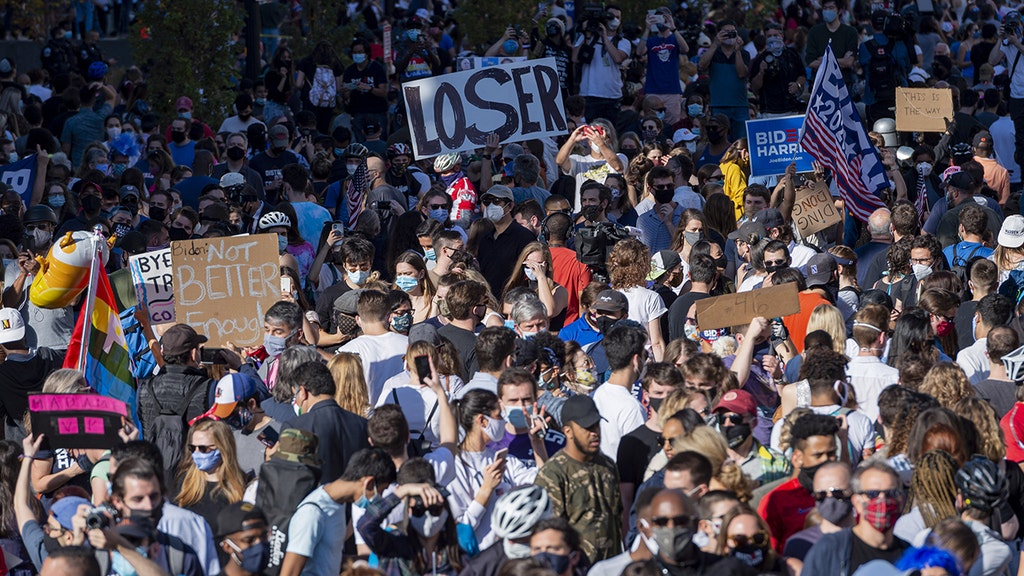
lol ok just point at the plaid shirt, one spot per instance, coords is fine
(765, 465)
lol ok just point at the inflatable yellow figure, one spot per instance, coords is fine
(64, 273)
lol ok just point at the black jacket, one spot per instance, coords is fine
(171, 386)
(341, 435)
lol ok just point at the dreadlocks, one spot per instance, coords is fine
(932, 488)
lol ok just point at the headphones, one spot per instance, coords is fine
(544, 233)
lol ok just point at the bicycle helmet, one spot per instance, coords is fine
(447, 162)
(232, 180)
(961, 149)
(356, 150)
(399, 149)
(40, 213)
(518, 511)
(97, 70)
(1014, 364)
(982, 484)
(274, 220)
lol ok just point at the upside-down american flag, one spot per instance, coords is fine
(107, 365)
(834, 135)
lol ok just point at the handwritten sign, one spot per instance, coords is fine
(223, 286)
(923, 109)
(815, 210)
(775, 144)
(77, 420)
(740, 308)
(153, 278)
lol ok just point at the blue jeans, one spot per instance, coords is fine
(85, 13)
(738, 116)
(270, 41)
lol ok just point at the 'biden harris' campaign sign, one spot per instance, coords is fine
(775, 143)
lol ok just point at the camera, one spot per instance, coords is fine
(382, 205)
(100, 517)
(730, 34)
(416, 507)
(592, 16)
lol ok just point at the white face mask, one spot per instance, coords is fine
(495, 429)
(924, 168)
(515, 550)
(428, 525)
(494, 212)
(921, 271)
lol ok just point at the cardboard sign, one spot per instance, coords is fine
(815, 210)
(923, 109)
(223, 286)
(77, 420)
(740, 308)
(458, 111)
(153, 278)
(775, 144)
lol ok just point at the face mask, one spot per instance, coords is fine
(829, 15)
(692, 237)
(672, 542)
(515, 550)
(402, 322)
(921, 271)
(557, 562)
(274, 345)
(440, 215)
(120, 566)
(495, 429)
(924, 168)
(716, 135)
(359, 58)
(207, 462)
(118, 168)
(429, 255)
(692, 332)
(282, 243)
(663, 196)
(56, 202)
(949, 199)
(806, 476)
(650, 135)
(585, 377)
(694, 110)
(660, 115)
(363, 501)
(736, 434)
(406, 283)
(553, 31)
(604, 323)
(494, 212)
(358, 277)
(614, 24)
(235, 153)
(351, 168)
(428, 525)
(253, 559)
(721, 262)
(105, 168)
(240, 419)
(530, 274)
(177, 137)
(595, 150)
(185, 115)
(749, 554)
(774, 45)
(943, 328)
(616, 194)
(155, 213)
(882, 512)
(67, 35)
(113, 133)
(147, 517)
(41, 237)
(260, 101)
(775, 267)
(691, 146)
(413, 35)
(835, 510)
(510, 46)
(120, 229)
(244, 117)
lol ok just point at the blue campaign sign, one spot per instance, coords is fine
(20, 176)
(775, 143)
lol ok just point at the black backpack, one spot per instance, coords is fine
(881, 69)
(282, 486)
(170, 430)
(960, 266)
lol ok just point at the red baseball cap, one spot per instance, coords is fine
(738, 401)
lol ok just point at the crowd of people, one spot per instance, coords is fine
(492, 361)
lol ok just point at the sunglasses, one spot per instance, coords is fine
(488, 200)
(662, 440)
(837, 493)
(663, 521)
(759, 539)
(891, 494)
(731, 418)
(774, 262)
(665, 188)
(437, 206)
(201, 449)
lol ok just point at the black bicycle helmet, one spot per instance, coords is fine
(982, 484)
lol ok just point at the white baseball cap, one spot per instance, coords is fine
(12, 325)
(684, 135)
(1011, 235)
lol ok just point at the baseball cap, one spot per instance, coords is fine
(769, 218)
(512, 151)
(66, 508)
(526, 352)
(371, 128)
(12, 325)
(983, 139)
(662, 262)
(423, 332)
(738, 401)
(232, 389)
(684, 135)
(217, 212)
(6, 66)
(960, 180)
(299, 446)
(129, 190)
(1011, 235)
(748, 229)
(581, 410)
(346, 303)
(499, 191)
(820, 269)
(179, 339)
(279, 135)
(235, 517)
(183, 103)
(611, 301)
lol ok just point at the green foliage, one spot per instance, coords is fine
(321, 18)
(484, 22)
(190, 48)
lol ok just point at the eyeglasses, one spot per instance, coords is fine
(201, 449)
(928, 261)
(759, 539)
(774, 262)
(663, 521)
(32, 227)
(892, 494)
(944, 317)
(488, 200)
(837, 493)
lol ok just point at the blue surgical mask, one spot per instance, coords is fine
(429, 255)
(413, 35)
(282, 243)
(338, 152)
(358, 277)
(829, 15)
(363, 501)
(440, 214)
(530, 274)
(401, 323)
(119, 564)
(406, 283)
(105, 168)
(260, 101)
(56, 201)
(660, 114)
(694, 109)
(207, 462)
(359, 58)
(274, 345)
(510, 46)
(510, 324)
(185, 115)
(253, 559)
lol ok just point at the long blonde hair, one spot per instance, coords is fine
(350, 383)
(231, 478)
(706, 441)
(519, 278)
(828, 318)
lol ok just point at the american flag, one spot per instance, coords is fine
(834, 135)
(355, 197)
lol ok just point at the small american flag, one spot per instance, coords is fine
(355, 196)
(834, 135)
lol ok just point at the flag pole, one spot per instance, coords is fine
(90, 298)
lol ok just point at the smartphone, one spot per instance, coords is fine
(268, 436)
(338, 228)
(521, 418)
(422, 364)
(286, 285)
(501, 454)
(209, 355)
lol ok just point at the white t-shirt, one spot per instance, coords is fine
(235, 124)
(869, 377)
(621, 413)
(382, 358)
(1017, 81)
(860, 430)
(644, 304)
(318, 533)
(601, 78)
(584, 168)
(469, 467)
(974, 361)
(418, 403)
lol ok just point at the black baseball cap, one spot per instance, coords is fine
(581, 410)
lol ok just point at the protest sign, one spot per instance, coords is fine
(815, 209)
(476, 62)
(740, 308)
(223, 286)
(21, 177)
(153, 278)
(775, 144)
(77, 420)
(458, 111)
(923, 109)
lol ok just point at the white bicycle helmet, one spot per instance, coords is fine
(518, 511)
(232, 180)
(273, 220)
(447, 162)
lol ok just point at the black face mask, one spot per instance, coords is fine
(737, 434)
(605, 323)
(51, 544)
(806, 476)
(177, 137)
(721, 262)
(716, 135)
(244, 117)
(663, 196)
(773, 267)
(654, 403)
(92, 204)
(158, 214)
(235, 153)
(177, 234)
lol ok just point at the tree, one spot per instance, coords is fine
(190, 48)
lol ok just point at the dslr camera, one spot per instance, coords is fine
(100, 517)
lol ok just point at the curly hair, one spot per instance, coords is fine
(711, 444)
(947, 383)
(991, 441)
(629, 264)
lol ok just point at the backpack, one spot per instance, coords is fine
(960, 265)
(142, 360)
(324, 92)
(175, 555)
(419, 446)
(282, 486)
(881, 69)
(170, 431)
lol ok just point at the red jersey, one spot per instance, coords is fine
(784, 509)
(463, 195)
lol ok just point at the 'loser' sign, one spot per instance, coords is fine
(457, 111)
